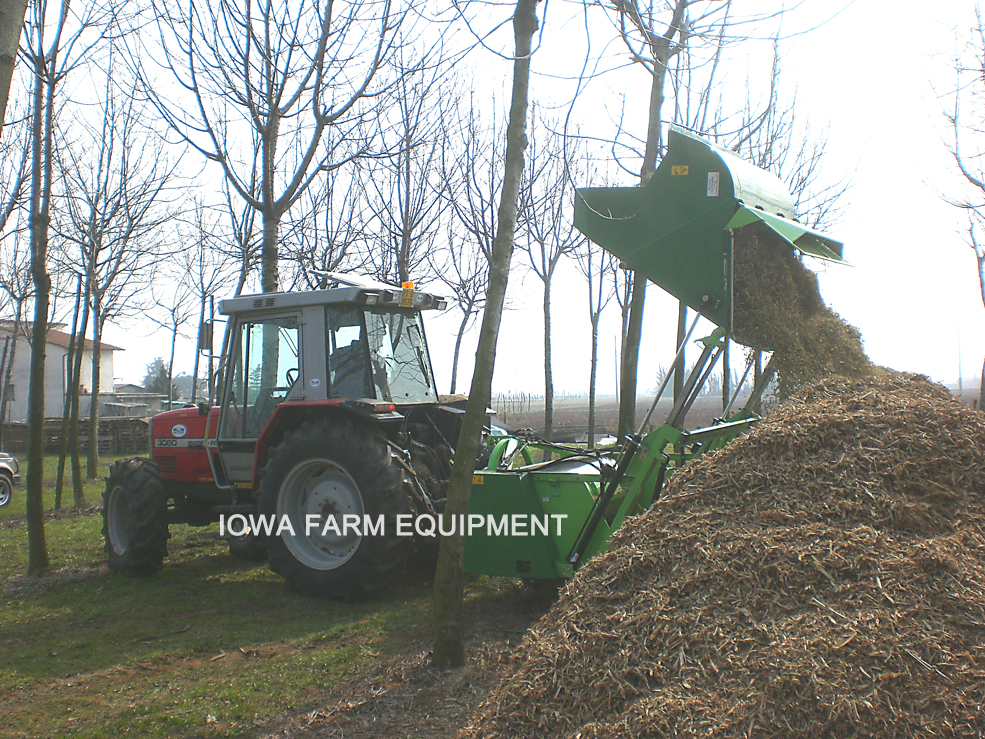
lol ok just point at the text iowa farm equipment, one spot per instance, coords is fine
(328, 409)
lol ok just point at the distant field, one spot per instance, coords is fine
(571, 415)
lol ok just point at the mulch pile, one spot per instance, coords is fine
(822, 576)
(778, 307)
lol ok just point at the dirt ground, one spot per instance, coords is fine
(403, 697)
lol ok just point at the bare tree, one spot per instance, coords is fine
(331, 233)
(206, 269)
(680, 44)
(238, 239)
(771, 135)
(405, 186)
(964, 113)
(115, 185)
(546, 231)
(472, 173)
(76, 345)
(600, 270)
(279, 91)
(171, 312)
(50, 53)
(653, 34)
(465, 271)
(449, 581)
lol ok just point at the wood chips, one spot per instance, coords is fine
(823, 576)
(778, 307)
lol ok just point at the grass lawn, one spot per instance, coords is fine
(210, 646)
(93, 489)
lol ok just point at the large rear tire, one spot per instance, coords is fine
(135, 518)
(334, 467)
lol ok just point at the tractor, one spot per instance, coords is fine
(327, 407)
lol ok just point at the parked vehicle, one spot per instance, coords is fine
(9, 477)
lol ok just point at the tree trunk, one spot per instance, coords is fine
(458, 347)
(634, 328)
(11, 21)
(174, 340)
(269, 280)
(67, 404)
(654, 123)
(678, 368)
(92, 455)
(592, 380)
(37, 547)
(726, 375)
(630, 358)
(449, 580)
(981, 285)
(78, 490)
(198, 350)
(757, 372)
(548, 373)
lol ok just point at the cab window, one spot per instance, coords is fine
(263, 369)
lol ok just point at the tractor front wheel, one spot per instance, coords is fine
(344, 471)
(249, 547)
(135, 518)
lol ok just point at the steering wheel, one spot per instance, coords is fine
(291, 380)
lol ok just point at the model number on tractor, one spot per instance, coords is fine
(178, 443)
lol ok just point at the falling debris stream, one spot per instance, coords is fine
(777, 306)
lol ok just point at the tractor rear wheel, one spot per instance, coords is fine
(334, 468)
(135, 518)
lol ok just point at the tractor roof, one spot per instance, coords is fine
(370, 295)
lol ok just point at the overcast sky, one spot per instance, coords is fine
(869, 75)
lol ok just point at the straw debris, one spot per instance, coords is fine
(822, 576)
(777, 307)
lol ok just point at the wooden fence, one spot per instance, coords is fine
(116, 436)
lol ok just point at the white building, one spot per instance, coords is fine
(55, 370)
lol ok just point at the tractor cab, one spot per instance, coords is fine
(327, 408)
(360, 348)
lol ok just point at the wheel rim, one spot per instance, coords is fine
(6, 491)
(118, 521)
(320, 487)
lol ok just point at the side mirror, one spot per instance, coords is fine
(205, 336)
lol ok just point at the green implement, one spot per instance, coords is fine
(542, 520)
(677, 230)
(528, 522)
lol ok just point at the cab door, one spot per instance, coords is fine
(264, 370)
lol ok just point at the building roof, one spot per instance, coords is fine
(55, 335)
